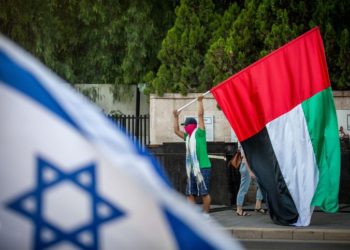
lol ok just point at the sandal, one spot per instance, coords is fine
(243, 213)
(260, 210)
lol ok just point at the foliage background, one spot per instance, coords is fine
(172, 46)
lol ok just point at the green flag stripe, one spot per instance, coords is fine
(322, 125)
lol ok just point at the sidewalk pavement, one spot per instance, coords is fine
(323, 226)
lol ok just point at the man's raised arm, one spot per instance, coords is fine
(177, 130)
(200, 113)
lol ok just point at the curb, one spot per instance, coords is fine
(290, 234)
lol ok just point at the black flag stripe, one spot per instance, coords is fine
(263, 162)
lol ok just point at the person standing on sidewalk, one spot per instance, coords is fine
(246, 176)
(198, 165)
(342, 134)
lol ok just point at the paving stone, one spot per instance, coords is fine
(278, 234)
(340, 235)
(308, 235)
(247, 234)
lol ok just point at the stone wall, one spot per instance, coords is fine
(342, 105)
(342, 100)
(102, 96)
(161, 108)
(161, 123)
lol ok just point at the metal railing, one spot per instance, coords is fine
(137, 127)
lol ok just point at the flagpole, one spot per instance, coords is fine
(188, 104)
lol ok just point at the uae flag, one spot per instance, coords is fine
(282, 111)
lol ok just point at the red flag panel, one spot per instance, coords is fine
(273, 85)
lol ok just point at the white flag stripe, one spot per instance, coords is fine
(298, 164)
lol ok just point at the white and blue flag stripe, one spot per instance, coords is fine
(71, 179)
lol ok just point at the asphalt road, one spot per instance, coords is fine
(293, 245)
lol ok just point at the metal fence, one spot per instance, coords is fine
(224, 181)
(137, 127)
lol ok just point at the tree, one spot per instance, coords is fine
(263, 26)
(332, 17)
(343, 60)
(104, 41)
(218, 63)
(130, 42)
(184, 47)
(235, 47)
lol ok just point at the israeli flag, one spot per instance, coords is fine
(69, 179)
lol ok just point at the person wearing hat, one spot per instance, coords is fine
(198, 165)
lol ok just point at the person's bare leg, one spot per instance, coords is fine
(191, 199)
(258, 204)
(206, 203)
(258, 207)
(239, 210)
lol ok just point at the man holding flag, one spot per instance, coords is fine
(198, 165)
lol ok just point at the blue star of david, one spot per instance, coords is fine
(42, 225)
